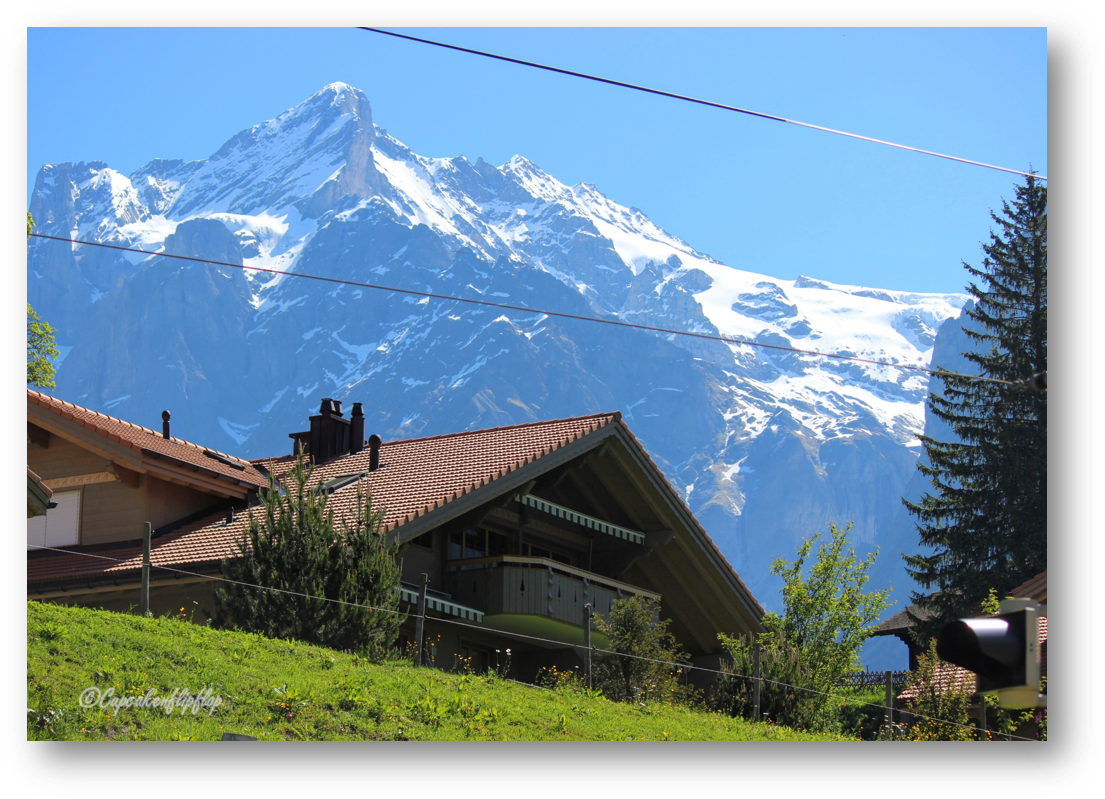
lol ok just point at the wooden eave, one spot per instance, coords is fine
(692, 558)
(142, 461)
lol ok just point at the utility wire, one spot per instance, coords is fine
(685, 666)
(1029, 383)
(689, 667)
(722, 106)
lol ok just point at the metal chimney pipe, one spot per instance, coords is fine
(356, 429)
(374, 442)
(165, 424)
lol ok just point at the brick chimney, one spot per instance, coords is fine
(331, 435)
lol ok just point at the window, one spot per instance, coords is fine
(476, 542)
(534, 551)
(61, 524)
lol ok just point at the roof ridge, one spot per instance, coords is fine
(612, 415)
(173, 439)
(667, 483)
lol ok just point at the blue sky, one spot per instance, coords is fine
(755, 194)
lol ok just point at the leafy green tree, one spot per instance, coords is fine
(826, 613)
(41, 350)
(635, 628)
(294, 543)
(41, 346)
(985, 523)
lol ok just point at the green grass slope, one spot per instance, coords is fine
(286, 690)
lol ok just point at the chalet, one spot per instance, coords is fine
(518, 528)
(900, 625)
(106, 478)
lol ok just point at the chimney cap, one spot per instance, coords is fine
(165, 416)
(358, 410)
(374, 441)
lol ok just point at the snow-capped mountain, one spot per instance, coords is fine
(768, 446)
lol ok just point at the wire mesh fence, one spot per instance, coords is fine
(873, 679)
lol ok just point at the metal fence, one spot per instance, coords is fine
(873, 679)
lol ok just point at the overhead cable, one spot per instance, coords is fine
(709, 103)
(578, 317)
(523, 636)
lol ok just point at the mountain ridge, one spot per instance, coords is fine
(766, 446)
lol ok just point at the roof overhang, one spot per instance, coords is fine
(163, 467)
(687, 569)
(38, 495)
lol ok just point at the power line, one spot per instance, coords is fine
(687, 667)
(709, 103)
(577, 317)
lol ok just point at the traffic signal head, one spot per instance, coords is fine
(1002, 650)
(993, 648)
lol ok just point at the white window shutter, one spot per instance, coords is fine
(63, 522)
(36, 532)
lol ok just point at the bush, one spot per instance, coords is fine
(938, 700)
(634, 628)
(862, 715)
(781, 699)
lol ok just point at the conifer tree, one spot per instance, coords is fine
(294, 543)
(985, 523)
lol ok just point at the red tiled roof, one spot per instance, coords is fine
(419, 475)
(197, 543)
(142, 438)
(416, 476)
(1033, 588)
(948, 677)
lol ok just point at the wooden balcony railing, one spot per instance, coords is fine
(535, 586)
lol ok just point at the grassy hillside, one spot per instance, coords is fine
(283, 690)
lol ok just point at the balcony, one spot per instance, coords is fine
(510, 586)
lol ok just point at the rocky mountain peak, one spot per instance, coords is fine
(767, 446)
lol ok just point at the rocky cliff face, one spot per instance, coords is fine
(766, 446)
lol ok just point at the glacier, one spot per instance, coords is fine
(770, 445)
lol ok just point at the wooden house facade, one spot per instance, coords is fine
(517, 528)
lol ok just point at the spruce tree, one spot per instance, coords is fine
(294, 543)
(985, 524)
